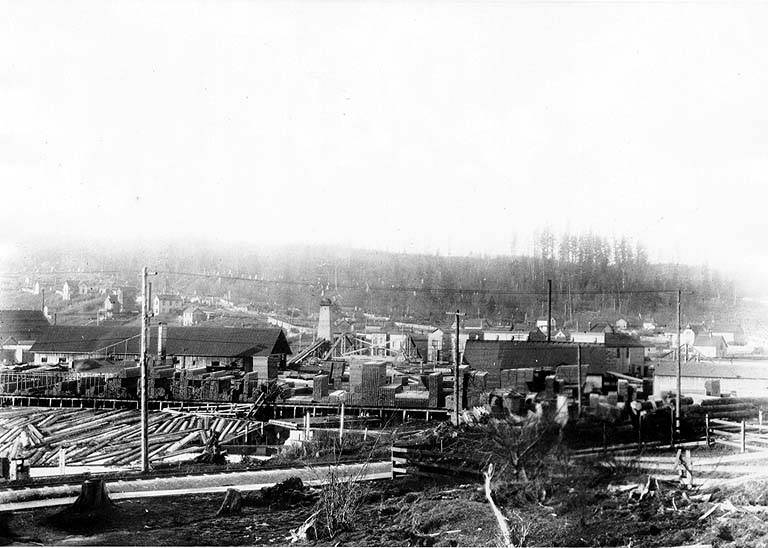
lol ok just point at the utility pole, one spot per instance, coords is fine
(143, 369)
(457, 363)
(549, 310)
(679, 367)
(578, 379)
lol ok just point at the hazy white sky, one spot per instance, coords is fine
(402, 125)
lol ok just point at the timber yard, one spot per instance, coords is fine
(108, 427)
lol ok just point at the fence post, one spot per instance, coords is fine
(706, 429)
(671, 426)
(743, 436)
(760, 420)
(605, 440)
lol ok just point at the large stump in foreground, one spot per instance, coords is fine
(93, 497)
(233, 502)
(91, 512)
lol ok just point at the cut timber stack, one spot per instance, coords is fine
(108, 437)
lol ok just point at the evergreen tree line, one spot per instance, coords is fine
(592, 276)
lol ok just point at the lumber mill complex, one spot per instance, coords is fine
(214, 387)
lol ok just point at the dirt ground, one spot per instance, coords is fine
(585, 509)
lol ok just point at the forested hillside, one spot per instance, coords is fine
(592, 277)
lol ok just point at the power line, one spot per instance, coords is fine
(369, 288)
(413, 289)
(58, 273)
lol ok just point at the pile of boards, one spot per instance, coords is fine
(109, 437)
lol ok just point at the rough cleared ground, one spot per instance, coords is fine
(584, 510)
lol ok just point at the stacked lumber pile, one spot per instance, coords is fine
(108, 437)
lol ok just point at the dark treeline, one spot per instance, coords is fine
(593, 277)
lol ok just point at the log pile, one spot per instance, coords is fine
(109, 437)
(727, 408)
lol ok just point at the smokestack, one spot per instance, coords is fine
(325, 323)
(162, 340)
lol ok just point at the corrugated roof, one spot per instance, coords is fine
(22, 324)
(181, 341)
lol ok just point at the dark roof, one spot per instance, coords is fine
(181, 341)
(22, 324)
(520, 354)
(598, 327)
(622, 340)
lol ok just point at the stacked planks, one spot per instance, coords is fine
(108, 437)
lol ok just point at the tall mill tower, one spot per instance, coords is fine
(325, 323)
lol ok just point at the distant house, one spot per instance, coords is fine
(710, 346)
(630, 352)
(537, 335)
(166, 304)
(649, 325)
(542, 324)
(83, 288)
(111, 306)
(192, 316)
(126, 296)
(561, 335)
(621, 324)
(69, 290)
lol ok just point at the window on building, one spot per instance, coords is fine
(618, 352)
(215, 363)
(62, 360)
(44, 360)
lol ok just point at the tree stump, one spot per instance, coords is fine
(233, 502)
(93, 496)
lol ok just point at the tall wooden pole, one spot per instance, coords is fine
(143, 368)
(456, 363)
(578, 379)
(679, 366)
(549, 310)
